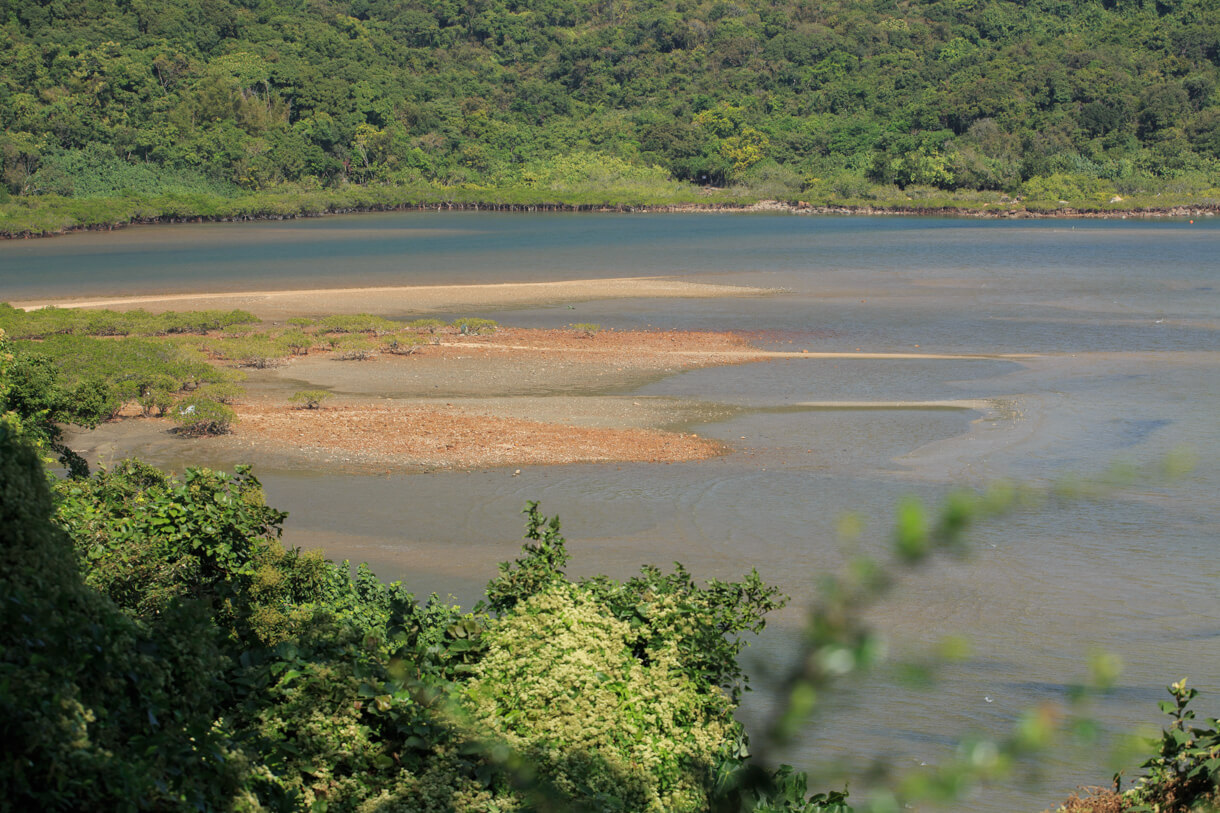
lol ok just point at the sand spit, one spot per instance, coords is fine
(519, 397)
(418, 299)
(962, 403)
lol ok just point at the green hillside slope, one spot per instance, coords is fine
(1081, 99)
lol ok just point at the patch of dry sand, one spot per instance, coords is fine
(420, 299)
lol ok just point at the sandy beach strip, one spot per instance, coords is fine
(735, 356)
(413, 299)
(961, 403)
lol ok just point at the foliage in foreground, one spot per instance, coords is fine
(303, 683)
(309, 685)
(1184, 774)
(160, 649)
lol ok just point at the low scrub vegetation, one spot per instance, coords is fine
(87, 365)
(198, 416)
(309, 399)
(46, 322)
(469, 326)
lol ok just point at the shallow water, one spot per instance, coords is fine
(1122, 319)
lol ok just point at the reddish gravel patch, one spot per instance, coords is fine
(427, 435)
(451, 437)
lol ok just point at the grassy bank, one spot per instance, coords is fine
(45, 215)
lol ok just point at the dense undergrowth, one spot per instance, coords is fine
(161, 650)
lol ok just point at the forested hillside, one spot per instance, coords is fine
(1048, 98)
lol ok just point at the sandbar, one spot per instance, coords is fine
(511, 398)
(393, 301)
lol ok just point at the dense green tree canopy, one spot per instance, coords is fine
(102, 96)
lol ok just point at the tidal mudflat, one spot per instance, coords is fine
(955, 354)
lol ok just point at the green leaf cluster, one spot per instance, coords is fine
(98, 709)
(1184, 774)
(309, 399)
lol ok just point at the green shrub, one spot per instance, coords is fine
(561, 685)
(309, 399)
(1079, 190)
(37, 324)
(357, 323)
(402, 345)
(198, 416)
(429, 325)
(155, 401)
(258, 350)
(123, 364)
(592, 174)
(1184, 775)
(353, 347)
(665, 609)
(51, 321)
(471, 326)
(297, 341)
(224, 392)
(98, 710)
(95, 171)
(767, 179)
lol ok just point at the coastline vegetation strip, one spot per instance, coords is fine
(49, 215)
(117, 112)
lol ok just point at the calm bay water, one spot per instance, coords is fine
(1122, 321)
